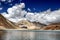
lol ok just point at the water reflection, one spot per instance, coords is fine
(31, 35)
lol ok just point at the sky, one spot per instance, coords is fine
(42, 11)
(30, 5)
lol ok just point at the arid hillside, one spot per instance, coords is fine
(25, 24)
(6, 24)
(53, 26)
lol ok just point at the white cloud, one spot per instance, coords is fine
(15, 14)
(46, 17)
(9, 1)
(30, 16)
(3, 0)
(29, 9)
(22, 5)
(49, 17)
(1, 8)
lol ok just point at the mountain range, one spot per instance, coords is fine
(25, 24)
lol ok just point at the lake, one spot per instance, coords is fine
(30, 35)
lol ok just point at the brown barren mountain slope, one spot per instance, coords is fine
(6, 24)
(24, 24)
(53, 26)
(30, 25)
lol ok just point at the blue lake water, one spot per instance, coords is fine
(31, 35)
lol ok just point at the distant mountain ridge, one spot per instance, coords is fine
(25, 24)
